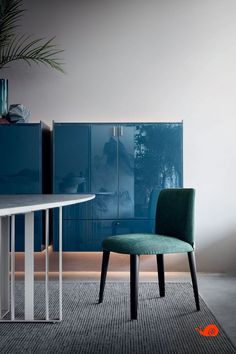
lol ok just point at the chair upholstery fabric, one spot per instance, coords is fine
(174, 234)
(142, 244)
(174, 227)
(175, 214)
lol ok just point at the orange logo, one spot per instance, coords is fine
(209, 331)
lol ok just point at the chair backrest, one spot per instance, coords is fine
(175, 214)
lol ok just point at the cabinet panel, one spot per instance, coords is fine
(126, 153)
(125, 166)
(150, 159)
(82, 235)
(87, 235)
(73, 213)
(20, 159)
(38, 232)
(23, 148)
(71, 155)
(125, 226)
(104, 171)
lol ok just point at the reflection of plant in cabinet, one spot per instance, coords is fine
(156, 153)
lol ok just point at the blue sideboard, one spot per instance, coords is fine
(25, 169)
(125, 165)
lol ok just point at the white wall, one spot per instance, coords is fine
(149, 60)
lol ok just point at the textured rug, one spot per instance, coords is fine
(164, 325)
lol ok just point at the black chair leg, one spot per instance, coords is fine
(134, 275)
(105, 261)
(192, 266)
(161, 274)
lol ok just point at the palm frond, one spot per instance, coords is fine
(22, 47)
(10, 13)
(31, 51)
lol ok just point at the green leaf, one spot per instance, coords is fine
(15, 47)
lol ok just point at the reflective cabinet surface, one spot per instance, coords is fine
(82, 235)
(125, 165)
(104, 171)
(20, 159)
(21, 171)
(87, 235)
(150, 159)
(71, 165)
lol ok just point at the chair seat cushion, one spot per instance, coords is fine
(145, 244)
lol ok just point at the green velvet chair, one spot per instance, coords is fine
(174, 234)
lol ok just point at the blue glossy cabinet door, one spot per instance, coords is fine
(125, 166)
(104, 171)
(20, 159)
(132, 226)
(126, 161)
(83, 235)
(85, 161)
(38, 232)
(71, 165)
(150, 159)
(22, 168)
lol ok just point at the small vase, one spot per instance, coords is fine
(3, 97)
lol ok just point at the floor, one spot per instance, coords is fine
(217, 290)
(219, 293)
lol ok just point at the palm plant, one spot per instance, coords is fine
(22, 47)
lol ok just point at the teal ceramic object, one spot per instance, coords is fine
(3, 97)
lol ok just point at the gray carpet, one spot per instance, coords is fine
(165, 325)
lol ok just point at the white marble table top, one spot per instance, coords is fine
(25, 203)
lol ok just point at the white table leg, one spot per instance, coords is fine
(4, 265)
(29, 266)
(60, 263)
(46, 263)
(12, 267)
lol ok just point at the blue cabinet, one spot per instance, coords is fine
(125, 165)
(104, 171)
(25, 169)
(71, 165)
(150, 159)
(82, 235)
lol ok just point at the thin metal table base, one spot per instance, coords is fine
(5, 298)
